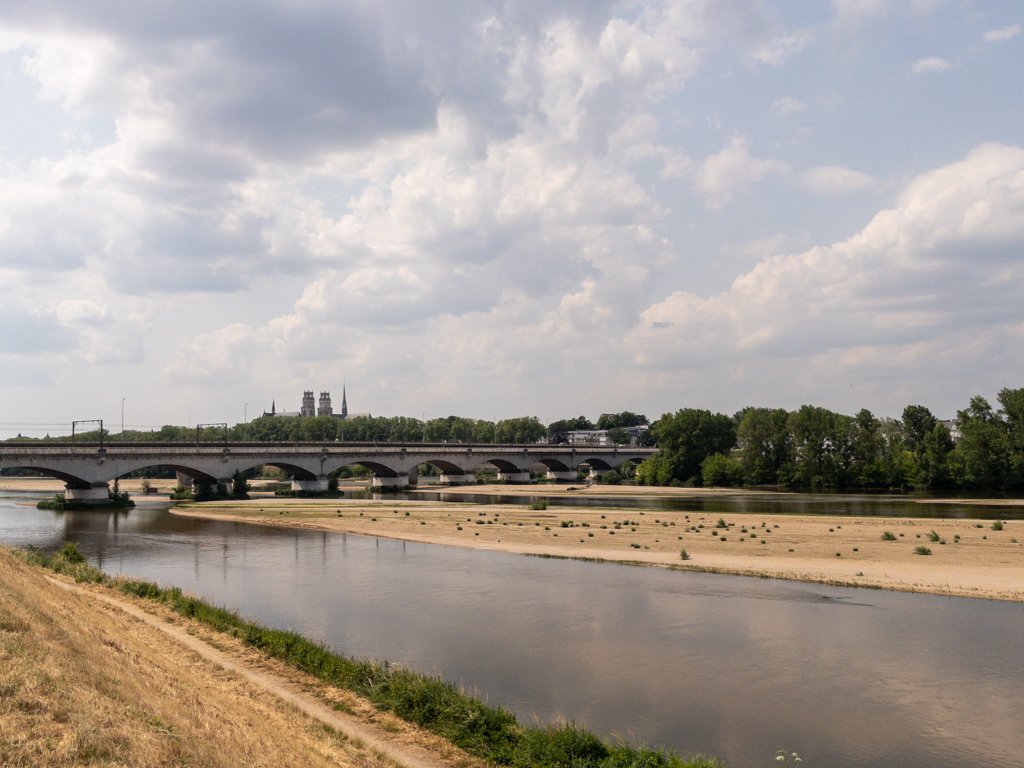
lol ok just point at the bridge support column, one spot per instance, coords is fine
(566, 476)
(398, 481)
(96, 494)
(514, 477)
(448, 478)
(319, 485)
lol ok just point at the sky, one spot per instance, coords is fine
(495, 209)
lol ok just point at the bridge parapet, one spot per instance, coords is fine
(90, 466)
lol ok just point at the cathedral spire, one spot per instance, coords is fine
(344, 403)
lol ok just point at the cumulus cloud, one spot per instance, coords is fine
(942, 261)
(1002, 34)
(930, 64)
(834, 180)
(728, 173)
(489, 192)
(24, 330)
(787, 105)
(778, 50)
(850, 14)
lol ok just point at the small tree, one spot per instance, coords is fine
(239, 486)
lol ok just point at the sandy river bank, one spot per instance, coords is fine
(966, 557)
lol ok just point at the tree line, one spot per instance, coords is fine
(814, 447)
(385, 429)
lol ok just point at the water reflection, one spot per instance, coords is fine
(730, 666)
(747, 503)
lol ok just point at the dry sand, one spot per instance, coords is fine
(969, 557)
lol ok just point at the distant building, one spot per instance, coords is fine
(602, 436)
(954, 428)
(588, 437)
(308, 407)
(313, 407)
(324, 408)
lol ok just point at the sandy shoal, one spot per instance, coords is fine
(967, 558)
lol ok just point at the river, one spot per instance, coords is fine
(731, 666)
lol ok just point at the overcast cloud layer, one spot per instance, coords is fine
(506, 208)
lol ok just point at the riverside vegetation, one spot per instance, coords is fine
(811, 447)
(481, 730)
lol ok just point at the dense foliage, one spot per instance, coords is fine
(813, 447)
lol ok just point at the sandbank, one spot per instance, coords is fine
(968, 557)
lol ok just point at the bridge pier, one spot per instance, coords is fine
(398, 481)
(514, 477)
(319, 485)
(96, 494)
(448, 478)
(562, 476)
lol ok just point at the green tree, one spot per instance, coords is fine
(918, 421)
(821, 449)
(523, 429)
(981, 458)
(765, 445)
(621, 420)
(866, 469)
(558, 430)
(932, 467)
(721, 470)
(1011, 403)
(685, 438)
(239, 486)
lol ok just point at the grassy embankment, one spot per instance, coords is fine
(487, 732)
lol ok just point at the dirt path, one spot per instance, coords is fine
(370, 735)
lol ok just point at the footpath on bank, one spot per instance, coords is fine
(93, 675)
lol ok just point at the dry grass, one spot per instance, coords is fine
(82, 683)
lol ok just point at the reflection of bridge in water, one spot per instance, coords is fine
(88, 468)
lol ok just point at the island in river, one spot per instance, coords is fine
(970, 557)
(948, 556)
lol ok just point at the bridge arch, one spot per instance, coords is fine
(296, 471)
(378, 468)
(555, 465)
(71, 481)
(179, 468)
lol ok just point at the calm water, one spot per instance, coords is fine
(730, 666)
(869, 505)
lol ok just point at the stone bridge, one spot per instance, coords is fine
(87, 469)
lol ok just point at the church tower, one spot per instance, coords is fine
(325, 404)
(308, 404)
(344, 403)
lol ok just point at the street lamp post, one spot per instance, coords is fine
(245, 422)
(122, 417)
